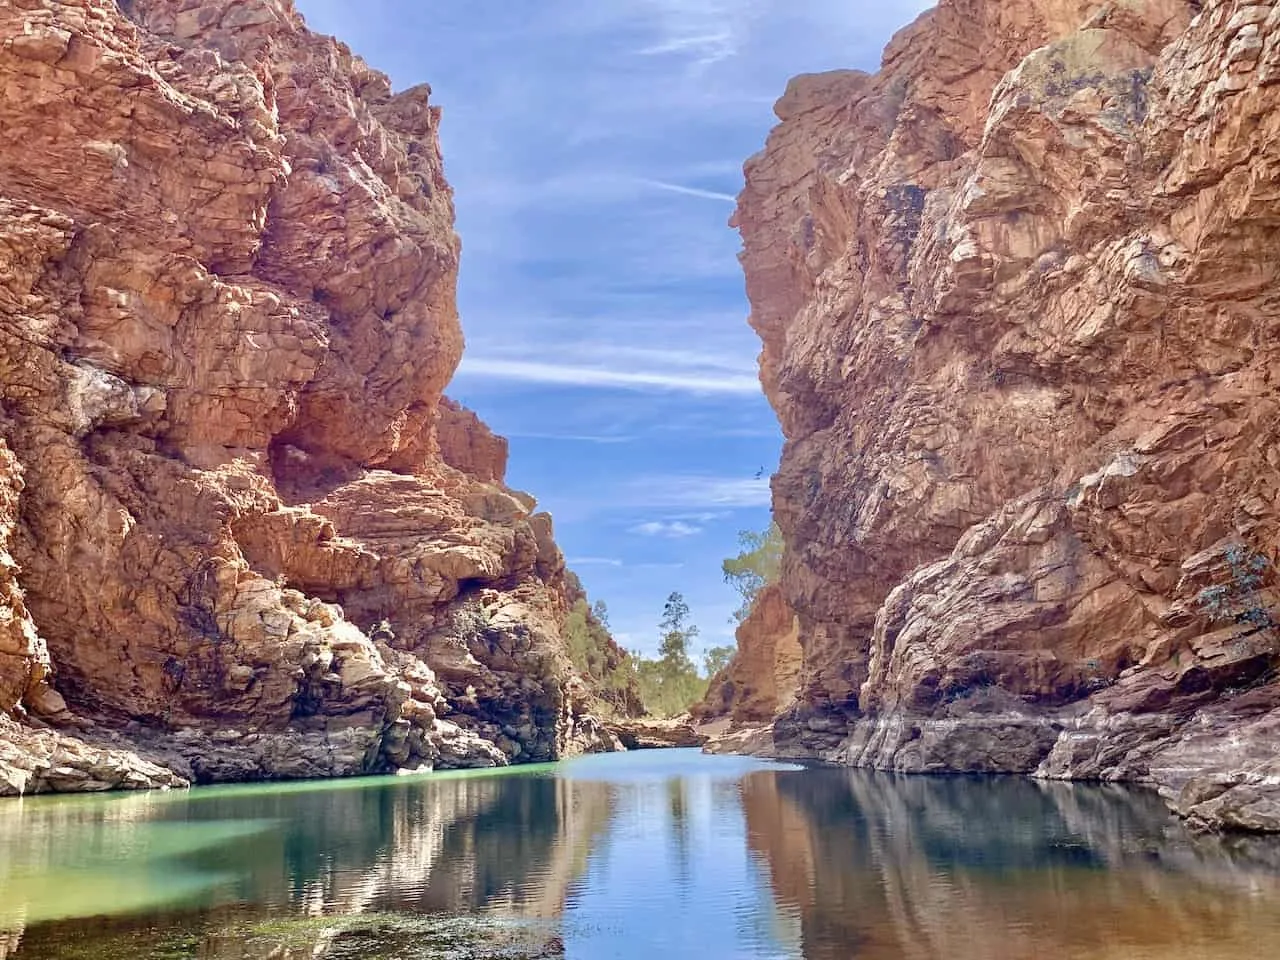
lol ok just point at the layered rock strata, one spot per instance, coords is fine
(762, 679)
(1017, 298)
(238, 522)
(650, 733)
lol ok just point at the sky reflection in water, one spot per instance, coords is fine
(668, 854)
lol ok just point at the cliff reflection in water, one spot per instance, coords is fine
(507, 846)
(879, 866)
(669, 854)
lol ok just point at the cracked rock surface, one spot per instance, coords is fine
(1017, 296)
(241, 529)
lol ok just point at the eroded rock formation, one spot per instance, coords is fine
(1017, 299)
(237, 519)
(763, 677)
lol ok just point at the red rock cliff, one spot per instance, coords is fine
(237, 520)
(761, 679)
(1017, 298)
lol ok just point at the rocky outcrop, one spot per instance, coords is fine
(763, 676)
(650, 733)
(45, 761)
(1016, 295)
(237, 518)
(24, 661)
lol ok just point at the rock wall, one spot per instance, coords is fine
(1017, 298)
(234, 506)
(24, 661)
(763, 676)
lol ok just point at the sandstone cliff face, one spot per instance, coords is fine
(24, 662)
(763, 676)
(1017, 299)
(237, 519)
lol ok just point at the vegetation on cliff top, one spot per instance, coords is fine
(758, 564)
(671, 683)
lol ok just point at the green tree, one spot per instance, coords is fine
(670, 685)
(677, 633)
(591, 648)
(600, 612)
(758, 563)
(716, 659)
(1240, 599)
(580, 640)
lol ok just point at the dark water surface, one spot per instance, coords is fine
(654, 855)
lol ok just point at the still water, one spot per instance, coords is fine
(667, 854)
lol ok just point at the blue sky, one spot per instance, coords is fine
(595, 148)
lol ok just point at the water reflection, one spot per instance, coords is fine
(666, 854)
(877, 866)
(508, 846)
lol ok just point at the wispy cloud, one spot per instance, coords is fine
(699, 491)
(629, 336)
(671, 530)
(606, 352)
(689, 191)
(604, 221)
(706, 48)
(568, 437)
(529, 371)
(706, 32)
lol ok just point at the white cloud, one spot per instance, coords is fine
(705, 48)
(719, 347)
(671, 529)
(664, 357)
(702, 518)
(689, 191)
(694, 492)
(593, 562)
(704, 31)
(531, 371)
(569, 437)
(599, 188)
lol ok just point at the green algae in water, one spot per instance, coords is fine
(63, 857)
(407, 780)
(127, 867)
(672, 855)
